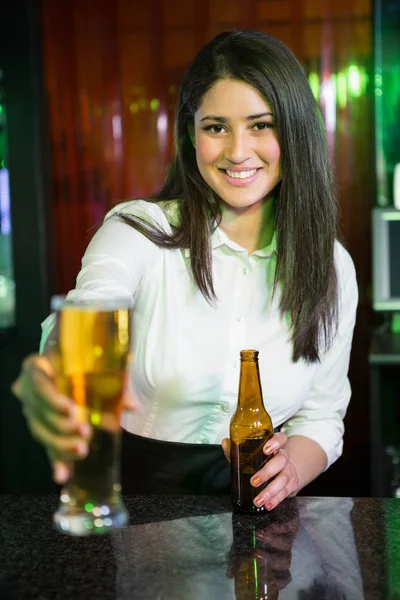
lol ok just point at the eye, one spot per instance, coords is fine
(262, 126)
(214, 128)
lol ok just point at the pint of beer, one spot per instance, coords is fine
(90, 355)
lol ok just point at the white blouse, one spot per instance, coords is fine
(186, 351)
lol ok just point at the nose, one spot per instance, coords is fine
(237, 150)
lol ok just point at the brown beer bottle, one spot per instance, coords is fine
(250, 428)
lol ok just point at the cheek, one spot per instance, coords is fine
(206, 152)
(275, 151)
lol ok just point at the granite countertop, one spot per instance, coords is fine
(189, 547)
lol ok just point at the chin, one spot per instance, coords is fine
(243, 203)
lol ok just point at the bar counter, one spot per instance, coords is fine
(189, 547)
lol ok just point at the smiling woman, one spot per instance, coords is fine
(239, 249)
(238, 155)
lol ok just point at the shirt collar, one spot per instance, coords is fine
(219, 238)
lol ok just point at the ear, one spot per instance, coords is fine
(192, 135)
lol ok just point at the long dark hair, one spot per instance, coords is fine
(305, 204)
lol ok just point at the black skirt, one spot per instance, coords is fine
(156, 467)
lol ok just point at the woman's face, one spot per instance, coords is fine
(237, 150)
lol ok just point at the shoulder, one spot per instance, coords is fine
(162, 214)
(343, 262)
(347, 277)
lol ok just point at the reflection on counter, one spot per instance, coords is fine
(302, 550)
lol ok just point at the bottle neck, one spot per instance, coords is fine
(250, 395)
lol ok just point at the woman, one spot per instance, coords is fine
(238, 250)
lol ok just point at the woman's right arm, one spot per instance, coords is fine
(112, 266)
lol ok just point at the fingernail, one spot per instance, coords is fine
(61, 473)
(259, 501)
(269, 506)
(269, 448)
(85, 430)
(255, 481)
(81, 449)
(72, 410)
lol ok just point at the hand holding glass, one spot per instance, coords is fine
(90, 354)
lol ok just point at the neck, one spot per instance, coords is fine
(252, 227)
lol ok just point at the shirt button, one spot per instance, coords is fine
(245, 271)
(240, 318)
(203, 440)
(235, 364)
(225, 407)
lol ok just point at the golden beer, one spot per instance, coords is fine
(91, 356)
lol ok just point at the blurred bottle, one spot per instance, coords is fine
(250, 428)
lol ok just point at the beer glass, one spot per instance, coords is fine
(90, 351)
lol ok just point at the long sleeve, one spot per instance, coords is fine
(321, 416)
(114, 262)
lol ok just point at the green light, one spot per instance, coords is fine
(2, 164)
(396, 323)
(341, 89)
(1, 109)
(89, 525)
(314, 81)
(89, 507)
(357, 80)
(378, 92)
(154, 104)
(255, 576)
(354, 80)
(95, 418)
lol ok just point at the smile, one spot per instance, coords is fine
(241, 174)
(240, 178)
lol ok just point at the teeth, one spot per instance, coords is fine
(241, 174)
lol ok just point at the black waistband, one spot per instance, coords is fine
(156, 467)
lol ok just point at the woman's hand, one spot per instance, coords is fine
(279, 471)
(51, 416)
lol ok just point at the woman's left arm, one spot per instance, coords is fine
(312, 439)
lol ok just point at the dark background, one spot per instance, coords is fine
(90, 91)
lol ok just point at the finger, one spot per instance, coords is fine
(59, 424)
(278, 488)
(55, 410)
(34, 378)
(71, 446)
(271, 468)
(42, 363)
(61, 472)
(60, 468)
(45, 389)
(35, 407)
(129, 399)
(226, 446)
(277, 441)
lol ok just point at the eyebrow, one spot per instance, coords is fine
(224, 119)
